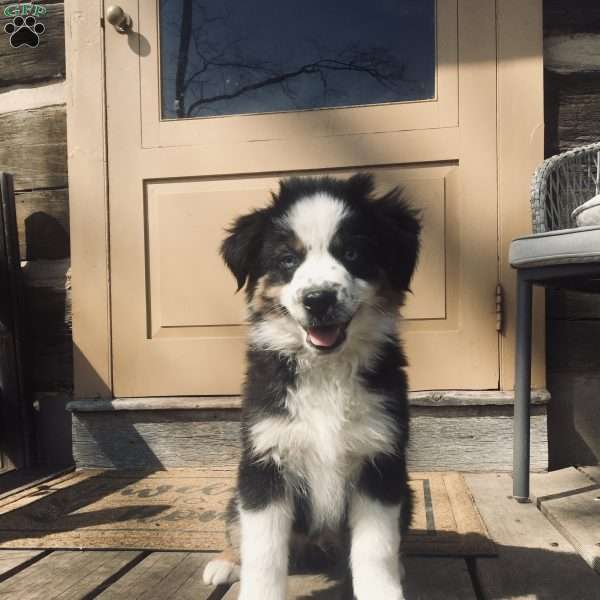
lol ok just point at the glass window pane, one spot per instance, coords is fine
(224, 57)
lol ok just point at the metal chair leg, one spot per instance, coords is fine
(522, 391)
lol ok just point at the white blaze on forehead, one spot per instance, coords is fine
(315, 220)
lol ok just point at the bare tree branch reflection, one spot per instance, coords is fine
(182, 57)
(374, 63)
(214, 65)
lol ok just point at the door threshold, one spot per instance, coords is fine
(429, 398)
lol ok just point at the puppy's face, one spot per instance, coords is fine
(323, 259)
(320, 268)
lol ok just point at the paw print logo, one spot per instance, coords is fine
(24, 32)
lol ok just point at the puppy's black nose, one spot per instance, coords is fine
(318, 302)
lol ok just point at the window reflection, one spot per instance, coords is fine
(224, 57)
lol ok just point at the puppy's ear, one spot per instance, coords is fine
(361, 185)
(398, 231)
(241, 248)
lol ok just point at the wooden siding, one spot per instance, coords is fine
(34, 149)
(572, 80)
(572, 116)
(27, 66)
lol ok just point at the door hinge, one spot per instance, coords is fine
(499, 308)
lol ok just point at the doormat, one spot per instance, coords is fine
(183, 510)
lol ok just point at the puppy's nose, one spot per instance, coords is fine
(318, 302)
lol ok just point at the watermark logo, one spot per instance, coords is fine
(25, 28)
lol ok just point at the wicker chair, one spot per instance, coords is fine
(558, 254)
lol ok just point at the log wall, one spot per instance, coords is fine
(33, 148)
(572, 115)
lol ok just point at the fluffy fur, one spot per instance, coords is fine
(325, 267)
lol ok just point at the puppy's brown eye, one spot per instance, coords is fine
(289, 261)
(350, 254)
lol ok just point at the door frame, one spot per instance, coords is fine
(519, 75)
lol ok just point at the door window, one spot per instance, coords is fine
(225, 57)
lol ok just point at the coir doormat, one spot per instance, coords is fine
(183, 510)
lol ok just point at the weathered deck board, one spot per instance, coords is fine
(22, 480)
(65, 575)
(184, 511)
(535, 561)
(10, 559)
(570, 501)
(593, 472)
(426, 579)
(161, 576)
(569, 481)
(304, 587)
(577, 517)
(438, 579)
(38, 488)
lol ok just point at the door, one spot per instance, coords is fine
(210, 103)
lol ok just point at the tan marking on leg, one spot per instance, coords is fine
(231, 554)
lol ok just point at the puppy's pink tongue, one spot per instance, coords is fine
(323, 336)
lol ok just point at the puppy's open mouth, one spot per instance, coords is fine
(327, 337)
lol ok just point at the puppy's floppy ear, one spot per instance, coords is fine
(241, 248)
(361, 185)
(398, 231)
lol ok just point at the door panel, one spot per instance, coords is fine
(189, 291)
(175, 184)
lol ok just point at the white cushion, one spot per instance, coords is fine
(588, 213)
(565, 246)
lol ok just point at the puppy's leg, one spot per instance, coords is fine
(265, 550)
(375, 549)
(225, 567)
(375, 524)
(266, 515)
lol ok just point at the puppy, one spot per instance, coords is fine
(325, 266)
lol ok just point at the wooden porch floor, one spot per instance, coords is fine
(543, 554)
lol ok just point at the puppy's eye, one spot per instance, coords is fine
(350, 254)
(288, 261)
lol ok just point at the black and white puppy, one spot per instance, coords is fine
(326, 266)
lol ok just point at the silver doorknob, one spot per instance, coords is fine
(118, 18)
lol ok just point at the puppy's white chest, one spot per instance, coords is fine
(334, 424)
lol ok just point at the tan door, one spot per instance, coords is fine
(209, 103)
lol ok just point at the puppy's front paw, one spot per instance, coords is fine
(220, 571)
(382, 593)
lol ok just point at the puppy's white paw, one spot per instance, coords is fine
(220, 571)
(382, 593)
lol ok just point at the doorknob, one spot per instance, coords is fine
(118, 18)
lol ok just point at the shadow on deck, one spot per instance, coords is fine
(534, 559)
